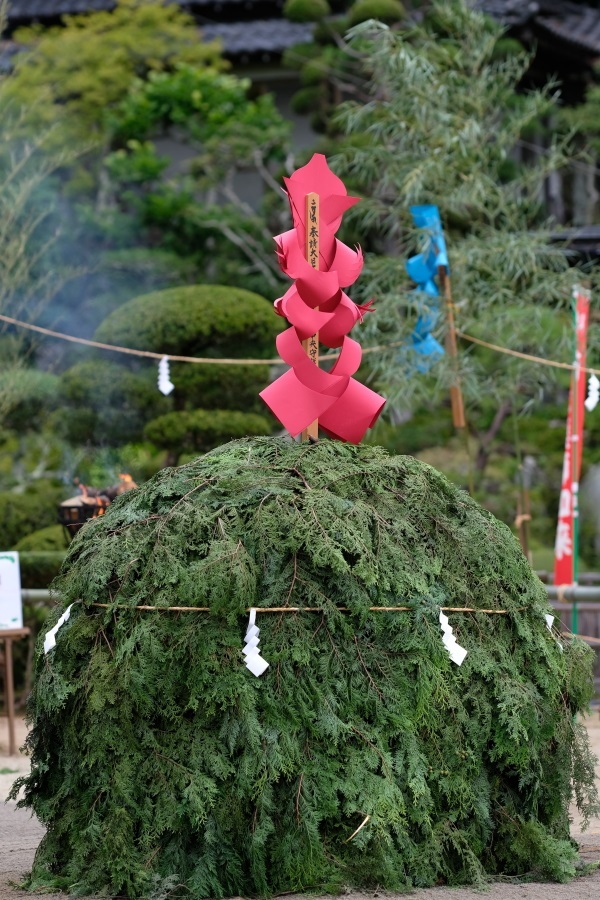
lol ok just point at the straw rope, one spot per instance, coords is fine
(286, 609)
(207, 360)
(528, 356)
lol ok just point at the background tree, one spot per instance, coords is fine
(442, 117)
(327, 70)
(83, 68)
(120, 82)
(29, 282)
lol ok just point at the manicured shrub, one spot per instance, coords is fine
(106, 404)
(40, 568)
(50, 538)
(306, 10)
(204, 429)
(195, 320)
(26, 511)
(384, 10)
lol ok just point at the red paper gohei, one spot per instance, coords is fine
(315, 303)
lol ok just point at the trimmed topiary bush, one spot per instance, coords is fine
(107, 404)
(40, 568)
(363, 756)
(22, 512)
(204, 429)
(195, 320)
(306, 10)
(384, 10)
(50, 538)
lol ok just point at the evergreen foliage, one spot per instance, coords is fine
(210, 403)
(199, 319)
(202, 429)
(158, 759)
(84, 67)
(384, 10)
(40, 567)
(22, 512)
(306, 10)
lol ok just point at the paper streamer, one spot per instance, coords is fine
(549, 623)
(165, 385)
(593, 396)
(50, 638)
(456, 653)
(316, 302)
(253, 661)
(422, 269)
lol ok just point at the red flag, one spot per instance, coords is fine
(568, 511)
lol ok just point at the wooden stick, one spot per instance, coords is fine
(9, 693)
(311, 344)
(456, 398)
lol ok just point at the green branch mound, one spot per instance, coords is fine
(363, 756)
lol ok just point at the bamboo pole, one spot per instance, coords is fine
(311, 344)
(456, 398)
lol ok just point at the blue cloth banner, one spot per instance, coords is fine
(422, 269)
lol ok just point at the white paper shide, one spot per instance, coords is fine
(549, 625)
(50, 639)
(253, 660)
(165, 385)
(591, 401)
(455, 651)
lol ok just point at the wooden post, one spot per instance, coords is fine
(456, 398)
(9, 693)
(311, 344)
(9, 685)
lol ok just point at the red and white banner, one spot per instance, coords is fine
(568, 511)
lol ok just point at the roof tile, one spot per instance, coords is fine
(259, 36)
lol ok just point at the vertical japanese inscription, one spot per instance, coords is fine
(312, 254)
(311, 345)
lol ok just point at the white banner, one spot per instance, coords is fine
(11, 608)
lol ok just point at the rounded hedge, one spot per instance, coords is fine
(28, 510)
(306, 10)
(384, 10)
(202, 429)
(106, 404)
(196, 320)
(44, 540)
(363, 756)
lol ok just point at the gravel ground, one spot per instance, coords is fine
(20, 834)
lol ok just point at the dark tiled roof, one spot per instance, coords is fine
(7, 51)
(510, 12)
(580, 27)
(584, 240)
(24, 10)
(42, 9)
(256, 37)
(574, 24)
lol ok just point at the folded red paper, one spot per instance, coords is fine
(316, 303)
